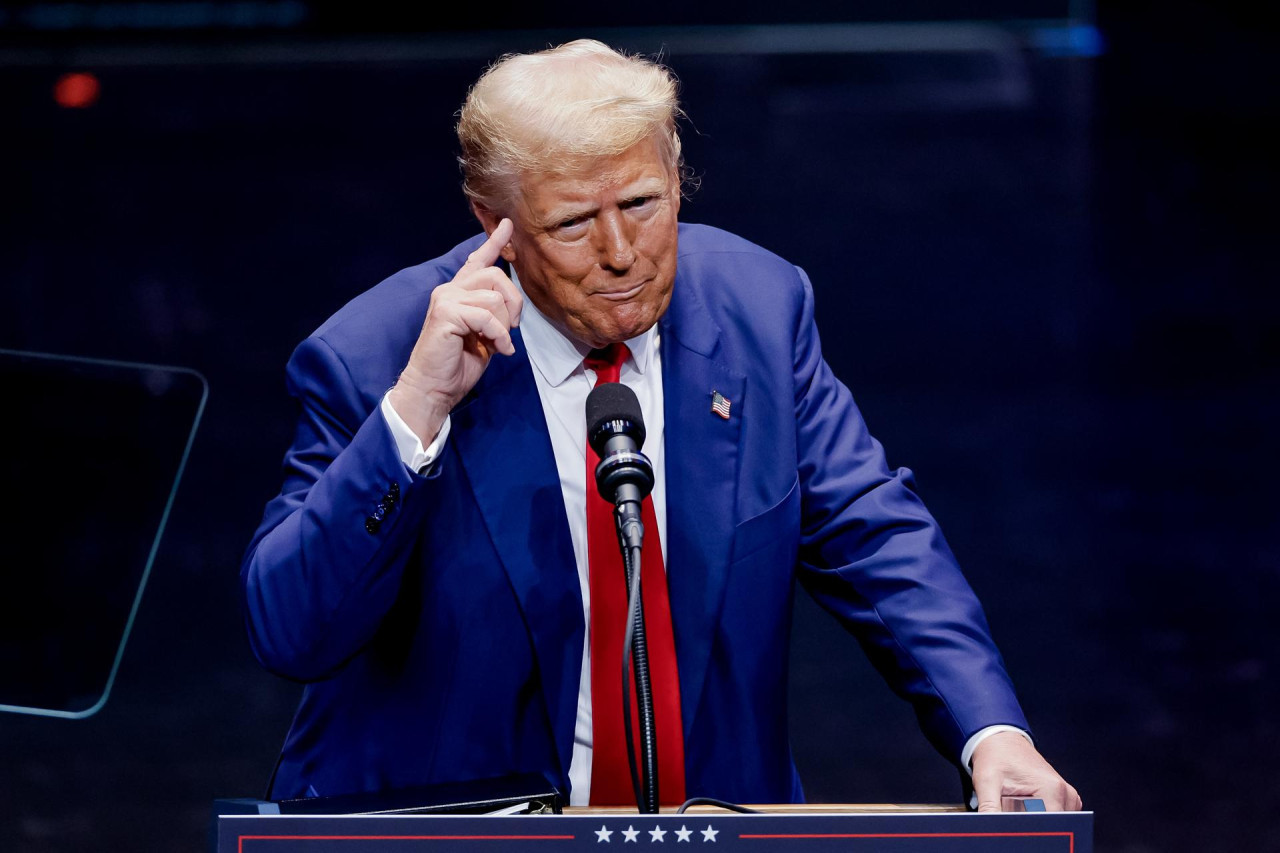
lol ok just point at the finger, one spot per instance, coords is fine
(495, 280)
(511, 294)
(988, 797)
(487, 326)
(490, 250)
(486, 278)
(490, 300)
(1060, 797)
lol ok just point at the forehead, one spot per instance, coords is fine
(639, 170)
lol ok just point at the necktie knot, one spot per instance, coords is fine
(607, 362)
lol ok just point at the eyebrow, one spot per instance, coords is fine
(649, 186)
(644, 187)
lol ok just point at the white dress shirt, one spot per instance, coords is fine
(563, 385)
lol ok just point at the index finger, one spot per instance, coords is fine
(490, 249)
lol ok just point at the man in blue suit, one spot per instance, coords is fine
(417, 570)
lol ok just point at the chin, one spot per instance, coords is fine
(631, 326)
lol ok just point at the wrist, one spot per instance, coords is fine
(971, 746)
(422, 412)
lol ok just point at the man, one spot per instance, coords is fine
(417, 569)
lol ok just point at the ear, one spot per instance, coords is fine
(489, 221)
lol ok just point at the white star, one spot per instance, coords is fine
(657, 834)
(630, 833)
(603, 834)
(683, 833)
(709, 834)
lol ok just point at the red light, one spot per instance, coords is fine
(76, 91)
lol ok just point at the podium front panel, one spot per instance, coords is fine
(1052, 832)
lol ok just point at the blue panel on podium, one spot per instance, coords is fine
(897, 832)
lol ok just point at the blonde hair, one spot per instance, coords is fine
(557, 110)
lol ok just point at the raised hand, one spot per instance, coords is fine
(469, 319)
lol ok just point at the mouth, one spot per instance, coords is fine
(624, 294)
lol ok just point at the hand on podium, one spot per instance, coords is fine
(1007, 765)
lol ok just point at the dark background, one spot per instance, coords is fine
(1047, 275)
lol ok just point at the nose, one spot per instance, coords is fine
(615, 237)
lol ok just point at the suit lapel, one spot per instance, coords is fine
(701, 476)
(500, 434)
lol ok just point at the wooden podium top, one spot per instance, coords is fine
(790, 808)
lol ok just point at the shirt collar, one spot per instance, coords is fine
(557, 357)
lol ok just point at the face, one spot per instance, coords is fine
(596, 249)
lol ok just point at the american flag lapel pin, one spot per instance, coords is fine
(720, 404)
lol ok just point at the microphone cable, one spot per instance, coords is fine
(709, 801)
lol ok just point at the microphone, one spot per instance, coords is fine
(615, 430)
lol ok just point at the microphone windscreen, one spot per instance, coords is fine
(609, 403)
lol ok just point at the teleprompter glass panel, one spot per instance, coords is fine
(91, 453)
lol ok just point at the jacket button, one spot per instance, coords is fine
(372, 524)
(393, 494)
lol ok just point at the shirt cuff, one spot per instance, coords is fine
(417, 458)
(966, 754)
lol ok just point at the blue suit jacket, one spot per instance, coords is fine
(440, 638)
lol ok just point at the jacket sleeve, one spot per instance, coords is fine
(873, 555)
(325, 565)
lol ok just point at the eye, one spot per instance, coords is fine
(637, 203)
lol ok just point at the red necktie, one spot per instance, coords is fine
(610, 773)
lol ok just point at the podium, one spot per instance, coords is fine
(786, 829)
